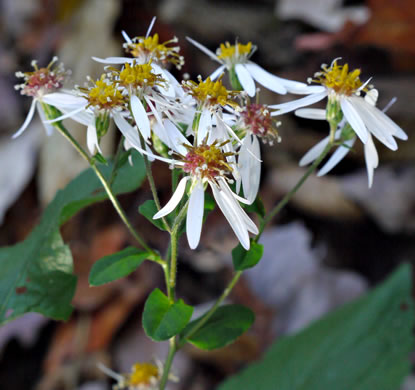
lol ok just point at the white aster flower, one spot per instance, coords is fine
(237, 58)
(348, 138)
(41, 85)
(206, 164)
(343, 89)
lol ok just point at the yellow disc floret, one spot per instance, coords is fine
(104, 94)
(207, 161)
(339, 79)
(150, 48)
(210, 92)
(226, 51)
(139, 76)
(143, 374)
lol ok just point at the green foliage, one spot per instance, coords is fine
(226, 324)
(148, 209)
(256, 207)
(362, 346)
(163, 318)
(243, 259)
(37, 274)
(116, 266)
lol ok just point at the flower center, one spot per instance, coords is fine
(210, 92)
(206, 161)
(140, 76)
(150, 48)
(42, 80)
(234, 53)
(104, 94)
(339, 79)
(143, 374)
(258, 120)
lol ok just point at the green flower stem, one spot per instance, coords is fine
(281, 204)
(153, 188)
(116, 161)
(168, 363)
(234, 81)
(109, 192)
(173, 252)
(212, 310)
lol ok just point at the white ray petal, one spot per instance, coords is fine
(355, 121)
(373, 123)
(217, 72)
(311, 113)
(268, 80)
(113, 60)
(226, 205)
(387, 123)
(150, 27)
(293, 105)
(28, 119)
(66, 100)
(174, 200)
(177, 139)
(92, 139)
(249, 224)
(203, 48)
(245, 79)
(371, 158)
(194, 217)
(126, 37)
(305, 89)
(250, 168)
(168, 90)
(66, 115)
(140, 117)
(314, 152)
(336, 157)
(205, 125)
(48, 127)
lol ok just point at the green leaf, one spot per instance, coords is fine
(148, 209)
(243, 259)
(36, 274)
(226, 324)
(362, 346)
(162, 318)
(116, 266)
(256, 207)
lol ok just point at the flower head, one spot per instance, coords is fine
(103, 94)
(207, 162)
(210, 93)
(256, 118)
(139, 76)
(42, 81)
(339, 79)
(150, 48)
(235, 54)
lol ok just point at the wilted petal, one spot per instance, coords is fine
(194, 217)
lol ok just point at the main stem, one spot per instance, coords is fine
(168, 363)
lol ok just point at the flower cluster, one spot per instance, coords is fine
(211, 134)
